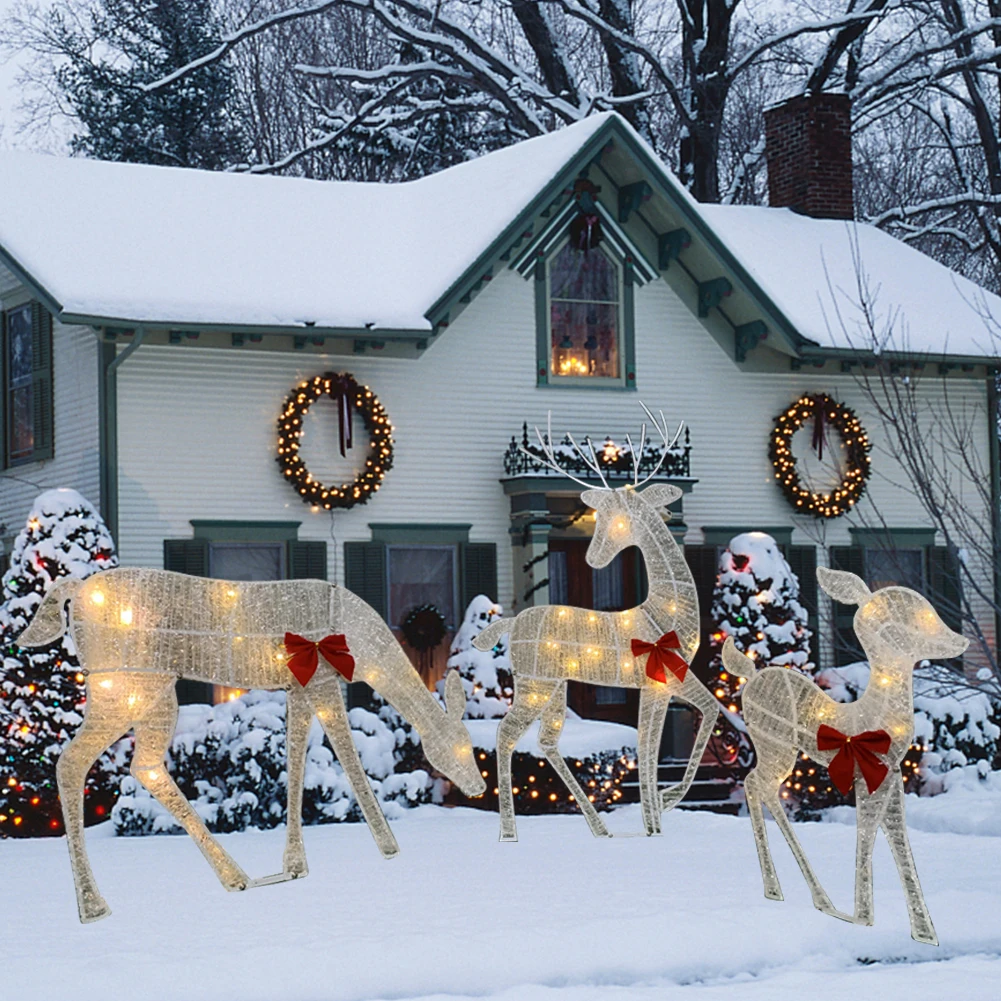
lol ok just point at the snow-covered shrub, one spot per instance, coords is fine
(42, 690)
(485, 674)
(229, 760)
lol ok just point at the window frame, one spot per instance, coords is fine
(626, 380)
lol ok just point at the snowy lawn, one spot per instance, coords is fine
(458, 915)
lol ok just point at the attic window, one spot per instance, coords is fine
(585, 298)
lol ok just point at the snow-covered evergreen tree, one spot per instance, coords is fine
(756, 601)
(42, 691)
(486, 674)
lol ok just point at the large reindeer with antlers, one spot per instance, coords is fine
(648, 647)
(137, 631)
(862, 743)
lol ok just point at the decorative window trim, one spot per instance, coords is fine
(720, 535)
(893, 538)
(43, 406)
(402, 534)
(226, 530)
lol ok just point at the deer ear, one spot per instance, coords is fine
(661, 494)
(843, 586)
(594, 498)
(455, 696)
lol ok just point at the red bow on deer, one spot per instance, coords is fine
(662, 656)
(860, 750)
(304, 656)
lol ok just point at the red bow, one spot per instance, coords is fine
(861, 750)
(303, 659)
(662, 655)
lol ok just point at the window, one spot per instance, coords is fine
(608, 587)
(420, 575)
(559, 589)
(886, 567)
(27, 384)
(247, 561)
(585, 315)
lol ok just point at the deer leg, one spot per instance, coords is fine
(773, 889)
(868, 814)
(695, 694)
(153, 735)
(97, 732)
(324, 693)
(895, 827)
(649, 726)
(530, 698)
(549, 735)
(298, 716)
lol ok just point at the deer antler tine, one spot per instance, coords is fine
(632, 452)
(661, 427)
(597, 464)
(550, 460)
(593, 466)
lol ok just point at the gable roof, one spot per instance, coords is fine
(125, 244)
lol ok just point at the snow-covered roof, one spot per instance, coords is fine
(819, 271)
(171, 245)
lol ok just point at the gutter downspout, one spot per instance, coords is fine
(994, 448)
(110, 360)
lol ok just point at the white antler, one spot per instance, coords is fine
(661, 427)
(550, 460)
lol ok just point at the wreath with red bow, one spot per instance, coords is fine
(826, 413)
(349, 397)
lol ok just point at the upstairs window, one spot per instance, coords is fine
(585, 315)
(26, 416)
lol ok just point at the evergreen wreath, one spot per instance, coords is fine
(346, 393)
(423, 627)
(825, 412)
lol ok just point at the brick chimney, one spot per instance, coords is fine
(808, 145)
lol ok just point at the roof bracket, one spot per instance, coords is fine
(237, 340)
(631, 197)
(712, 293)
(299, 342)
(747, 337)
(670, 245)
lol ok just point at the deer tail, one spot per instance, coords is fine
(490, 637)
(48, 623)
(737, 663)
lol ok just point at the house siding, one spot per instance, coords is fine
(196, 429)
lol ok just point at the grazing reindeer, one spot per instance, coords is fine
(551, 644)
(137, 631)
(787, 713)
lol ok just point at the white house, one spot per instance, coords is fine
(157, 319)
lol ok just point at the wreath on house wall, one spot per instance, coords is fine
(827, 415)
(342, 388)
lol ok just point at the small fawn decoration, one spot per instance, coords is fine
(648, 647)
(862, 743)
(136, 631)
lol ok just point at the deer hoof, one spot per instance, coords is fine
(93, 910)
(507, 837)
(773, 893)
(295, 868)
(926, 936)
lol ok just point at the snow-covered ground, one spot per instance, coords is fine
(558, 916)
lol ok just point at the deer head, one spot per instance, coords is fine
(447, 744)
(893, 621)
(618, 511)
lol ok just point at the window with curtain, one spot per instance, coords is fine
(886, 567)
(559, 584)
(420, 575)
(608, 587)
(584, 314)
(20, 404)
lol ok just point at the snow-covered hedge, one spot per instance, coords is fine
(229, 760)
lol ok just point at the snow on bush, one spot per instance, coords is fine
(229, 761)
(485, 674)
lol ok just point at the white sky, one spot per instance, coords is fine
(9, 139)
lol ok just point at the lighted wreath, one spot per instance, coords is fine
(348, 395)
(825, 413)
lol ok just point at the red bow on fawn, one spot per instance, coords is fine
(304, 656)
(662, 655)
(861, 750)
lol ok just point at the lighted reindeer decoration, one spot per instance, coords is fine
(862, 743)
(648, 647)
(137, 631)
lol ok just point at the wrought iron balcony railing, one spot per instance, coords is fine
(616, 459)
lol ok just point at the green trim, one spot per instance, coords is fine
(720, 535)
(226, 530)
(107, 408)
(892, 538)
(994, 447)
(37, 290)
(541, 323)
(628, 327)
(419, 533)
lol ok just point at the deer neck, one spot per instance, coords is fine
(891, 683)
(671, 586)
(407, 694)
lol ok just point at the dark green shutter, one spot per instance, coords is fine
(365, 573)
(944, 586)
(41, 380)
(307, 560)
(4, 393)
(189, 556)
(803, 563)
(479, 571)
(846, 645)
(703, 562)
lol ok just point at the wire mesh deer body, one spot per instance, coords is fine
(136, 631)
(787, 713)
(553, 644)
